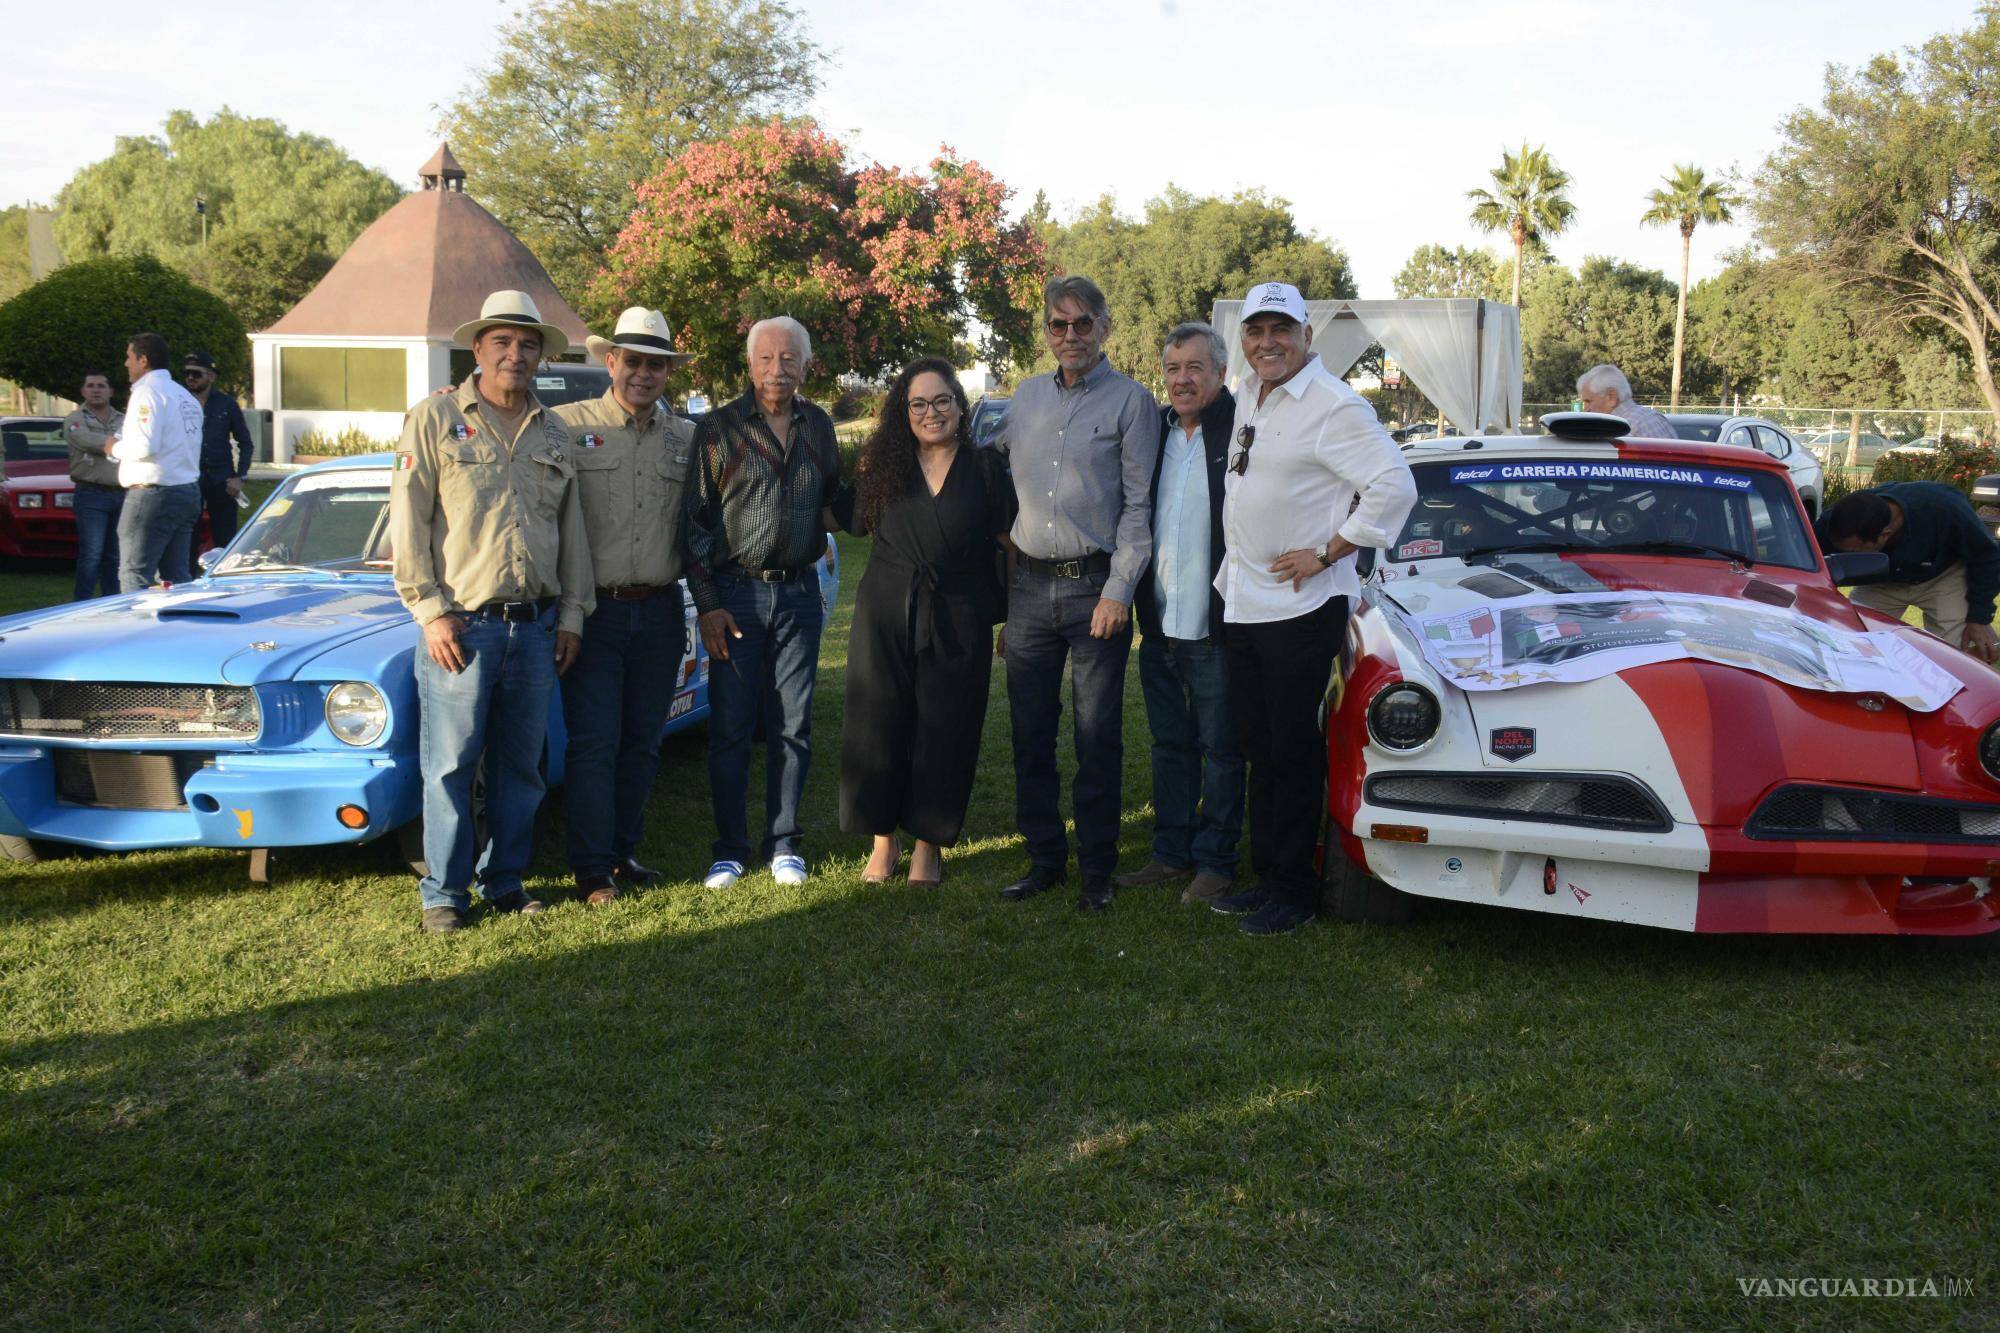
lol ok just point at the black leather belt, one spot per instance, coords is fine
(515, 611)
(96, 486)
(771, 575)
(1097, 562)
(634, 593)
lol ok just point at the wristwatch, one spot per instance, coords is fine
(1320, 554)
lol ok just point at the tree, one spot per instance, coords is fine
(1737, 321)
(1527, 202)
(1688, 199)
(589, 97)
(14, 273)
(252, 174)
(1187, 252)
(1606, 311)
(1442, 271)
(79, 318)
(1892, 189)
(881, 265)
(261, 271)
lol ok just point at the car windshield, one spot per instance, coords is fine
(31, 440)
(1492, 507)
(570, 384)
(986, 419)
(1693, 428)
(322, 520)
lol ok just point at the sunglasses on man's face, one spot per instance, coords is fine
(1083, 324)
(1246, 437)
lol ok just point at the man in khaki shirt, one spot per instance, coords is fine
(632, 459)
(88, 432)
(490, 557)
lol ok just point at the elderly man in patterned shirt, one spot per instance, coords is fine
(766, 468)
(1604, 388)
(1082, 442)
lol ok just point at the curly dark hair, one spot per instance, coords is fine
(888, 466)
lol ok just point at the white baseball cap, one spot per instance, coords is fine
(1274, 298)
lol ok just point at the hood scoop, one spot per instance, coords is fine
(1770, 594)
(198, 611)
(1492, 583)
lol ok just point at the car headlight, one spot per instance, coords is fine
(356, 712)
(28, 500)
(1989, 752)
(1403, 716)
(65, 499)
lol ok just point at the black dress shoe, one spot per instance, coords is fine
(1096, 895)
(633, 873)
(1038, 879)
(517, 902)
(597, 889)
(442, 920)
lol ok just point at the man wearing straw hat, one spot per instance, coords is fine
(632, 458)
(490, 557)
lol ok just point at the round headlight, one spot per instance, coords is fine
(1989, 752)
(356, 712)
(1403, 716)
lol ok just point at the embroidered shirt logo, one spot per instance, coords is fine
(462, 431)
(591, 441)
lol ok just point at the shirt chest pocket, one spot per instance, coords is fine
(470, 474)
(664, 474)
(546, 474)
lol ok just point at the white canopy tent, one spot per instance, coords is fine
(1464, 353)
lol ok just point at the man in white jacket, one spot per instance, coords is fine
(159, 464)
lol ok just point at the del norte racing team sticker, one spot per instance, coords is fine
(1663, 474)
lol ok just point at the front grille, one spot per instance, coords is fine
(1591, 799)
(95, 710)
(1836, 813)
(120, 780)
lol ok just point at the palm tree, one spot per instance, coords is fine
(1526, 200)
(1689, 198)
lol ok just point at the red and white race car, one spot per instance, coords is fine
(1615, 679)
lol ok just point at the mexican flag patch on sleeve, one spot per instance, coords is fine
(404, 462)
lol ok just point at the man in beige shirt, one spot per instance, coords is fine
(88, 432)
(632, 459)
(486, 519)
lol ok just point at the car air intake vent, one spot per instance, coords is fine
(1491, 583)
(95, 710)
(1595, 800)
(1840, 813)
(121, 780)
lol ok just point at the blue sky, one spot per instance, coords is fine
(1372, 119)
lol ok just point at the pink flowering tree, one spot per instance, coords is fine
(880, 264)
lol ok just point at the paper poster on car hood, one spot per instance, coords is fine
(1582, 636)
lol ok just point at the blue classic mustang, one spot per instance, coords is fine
(271, 703)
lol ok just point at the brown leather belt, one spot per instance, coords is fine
(635, 593)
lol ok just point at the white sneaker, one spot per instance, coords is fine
(723, 875)
(789, 869)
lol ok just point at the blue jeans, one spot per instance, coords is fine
(1195, 754)
(1048, 621)
(222, 514)
(97, 511)
(770, 674)
(615, 700)
(494, 713)
(154, 530)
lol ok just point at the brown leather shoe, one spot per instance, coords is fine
(597, 889)
(1154, 872)
(1206, 887)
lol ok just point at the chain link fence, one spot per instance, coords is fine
(1845, 438)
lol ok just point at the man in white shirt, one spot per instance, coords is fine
(159, 464)
(1312, 478)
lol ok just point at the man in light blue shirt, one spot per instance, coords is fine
(1183, 667)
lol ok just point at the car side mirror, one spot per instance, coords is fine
(209, 559)
(1848, 568)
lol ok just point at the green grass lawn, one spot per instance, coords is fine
(845, 1105)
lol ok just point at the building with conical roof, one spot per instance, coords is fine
(376, 334)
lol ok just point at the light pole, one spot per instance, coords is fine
(201, 209)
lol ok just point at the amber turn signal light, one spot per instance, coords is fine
(1399, 833)
(352, 816)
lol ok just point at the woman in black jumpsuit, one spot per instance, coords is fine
(920, 656)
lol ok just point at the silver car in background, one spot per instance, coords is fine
(1756, 433)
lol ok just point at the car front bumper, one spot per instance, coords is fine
(239, 800)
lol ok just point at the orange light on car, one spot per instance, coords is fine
(1399, 833)
(352, 816)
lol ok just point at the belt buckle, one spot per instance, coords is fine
(774, 575)
(1069, 569)
(519, 611)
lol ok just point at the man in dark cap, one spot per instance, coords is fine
(222, 476)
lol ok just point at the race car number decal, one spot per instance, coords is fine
(1417, 549)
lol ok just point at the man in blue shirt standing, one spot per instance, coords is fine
(222, 476)
(1183, 666)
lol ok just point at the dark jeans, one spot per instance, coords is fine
(770, 674)
(615, 700)
(97, 511)
(1278, 673)
(494, 714)
(1197, 767)
(1048, 622)
(154, 529)
(222, 515)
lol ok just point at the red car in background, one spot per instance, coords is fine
(39, 517)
